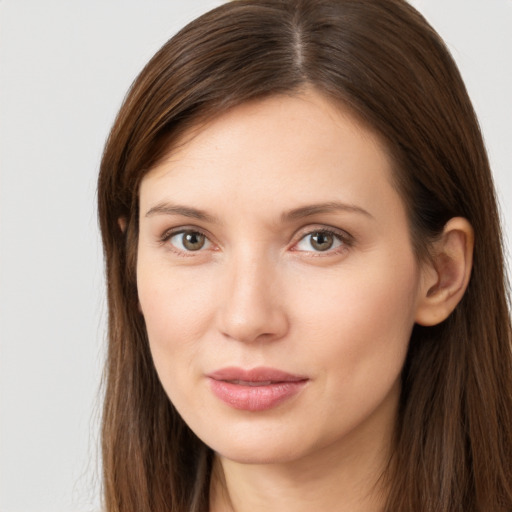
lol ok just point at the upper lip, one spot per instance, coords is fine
(260, 374)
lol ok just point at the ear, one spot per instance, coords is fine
(121, 222)
(446, 276)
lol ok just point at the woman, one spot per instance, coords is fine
(305, 275)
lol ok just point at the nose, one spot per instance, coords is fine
(253, 306)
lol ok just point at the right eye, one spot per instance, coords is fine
(189, 241)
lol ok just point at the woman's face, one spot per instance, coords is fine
(277, 281)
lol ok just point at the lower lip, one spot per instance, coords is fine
(255, 398)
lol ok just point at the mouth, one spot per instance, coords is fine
(257, 389)
(251, 383)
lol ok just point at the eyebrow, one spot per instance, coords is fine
(185, 211)
(291, 215)
(329, 207)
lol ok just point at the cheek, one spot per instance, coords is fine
(361, 318)
(178, 308)
(356, 334)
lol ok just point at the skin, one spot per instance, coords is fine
(258, 293)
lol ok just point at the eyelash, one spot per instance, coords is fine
(344, 239)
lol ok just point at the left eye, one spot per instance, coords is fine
(319, 241)
(189, 241)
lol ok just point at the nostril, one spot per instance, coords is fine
(250, 324)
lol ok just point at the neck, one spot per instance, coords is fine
(346, 477)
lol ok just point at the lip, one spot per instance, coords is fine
(257, 389)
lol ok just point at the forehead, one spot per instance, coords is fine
(285, 149)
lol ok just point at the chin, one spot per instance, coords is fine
(258, 445)
(258, 456)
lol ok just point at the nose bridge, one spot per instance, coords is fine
(252, 305)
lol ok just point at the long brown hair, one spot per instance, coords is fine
(382, 60)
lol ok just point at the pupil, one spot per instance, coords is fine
(193, 241)
(322, 241)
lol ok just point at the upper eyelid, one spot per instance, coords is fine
(168, 233)
(307, 230)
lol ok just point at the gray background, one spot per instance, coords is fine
(64, 69)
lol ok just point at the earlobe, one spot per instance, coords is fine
(446, 276)
(121, 222)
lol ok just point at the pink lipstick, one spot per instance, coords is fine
(255, 390)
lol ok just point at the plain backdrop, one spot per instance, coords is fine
(64, 69)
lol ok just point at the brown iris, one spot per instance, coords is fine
(322, 241)
(193, 241)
